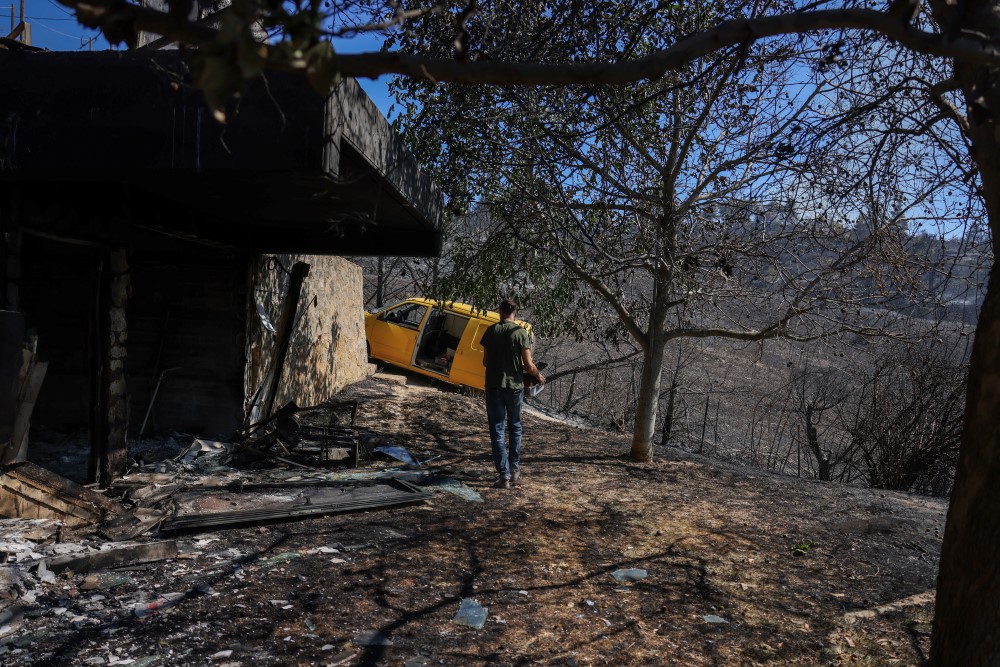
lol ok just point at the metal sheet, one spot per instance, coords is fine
(264, 503)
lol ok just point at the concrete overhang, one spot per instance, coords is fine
(122, 139)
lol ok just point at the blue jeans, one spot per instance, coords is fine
(503, 408)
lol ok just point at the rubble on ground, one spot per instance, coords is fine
(721, 585)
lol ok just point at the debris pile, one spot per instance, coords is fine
(83, 560)
(321, 436)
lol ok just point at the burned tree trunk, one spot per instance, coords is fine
(966, 613)
(823, 462)
(668, 416)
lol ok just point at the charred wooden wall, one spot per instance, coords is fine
(58, 295)
(191, 326)
(186, 312)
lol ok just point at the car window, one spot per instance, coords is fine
(408, 315)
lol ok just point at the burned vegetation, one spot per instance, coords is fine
(591, 560)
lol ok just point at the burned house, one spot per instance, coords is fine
(160, 271)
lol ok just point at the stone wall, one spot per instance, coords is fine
(327, 349)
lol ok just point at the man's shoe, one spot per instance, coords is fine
(502, 483)
(515, 477)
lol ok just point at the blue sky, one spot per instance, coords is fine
(53, 27)
(377, 89)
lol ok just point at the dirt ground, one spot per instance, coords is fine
(744, 567)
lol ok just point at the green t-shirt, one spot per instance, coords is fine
(503, 343)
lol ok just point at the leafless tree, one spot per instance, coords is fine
(818, 400)
(908, 427)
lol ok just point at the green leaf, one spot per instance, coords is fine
(322, 68)
(219, 78)
(802, 548)
(251, 57)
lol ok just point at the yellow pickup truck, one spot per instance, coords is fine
(436, 339)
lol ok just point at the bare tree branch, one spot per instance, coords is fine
(727, 33)
(106, 14)
(947, 108)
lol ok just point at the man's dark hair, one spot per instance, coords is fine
(506, 308)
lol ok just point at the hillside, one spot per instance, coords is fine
(725, 584)
(744, 402)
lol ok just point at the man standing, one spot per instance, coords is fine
(507, 357)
